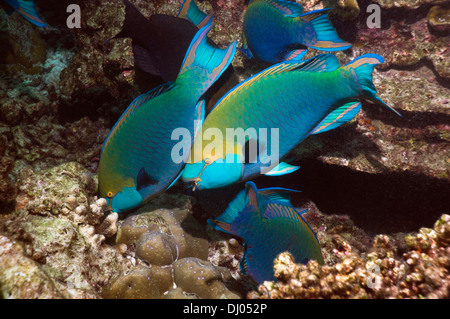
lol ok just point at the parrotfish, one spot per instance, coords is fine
(272, 112)
(26, 8)
(160, 43)
(269, 225)
(279, 30)
(136, 161)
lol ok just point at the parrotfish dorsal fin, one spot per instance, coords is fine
(319, 63)
(278, 194)
(191, 12)
(326, 37)
(288, 8)
(28, 10)
(138, 102)
(202, 56)
(338, 117)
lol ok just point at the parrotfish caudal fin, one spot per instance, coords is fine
(191, 12)
(201, 56)
(326, 36)
(28, 11)
(363, 68)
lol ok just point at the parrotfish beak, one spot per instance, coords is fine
(214, 174)
(127, 199)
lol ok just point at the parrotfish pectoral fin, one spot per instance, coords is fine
(144, 60)
(143, 180)
(282, 169)
(325, 34)
(245, 50)
(363, 68)
(338, 117)
(200, 111)
(296, 55)
(203, 56)
(28, 10)
(191, 12)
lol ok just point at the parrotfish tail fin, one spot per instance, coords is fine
(201, 57)
(363, 67)
(29, 12)
(191, 12)
(326, 36)
(133, 17)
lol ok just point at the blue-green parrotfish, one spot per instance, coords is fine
(136, 162)
(290, 101)
(26, 8)
(279, 30)
(160, 43)
(269, 225)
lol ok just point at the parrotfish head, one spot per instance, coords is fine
(124, 200)
(209, 173)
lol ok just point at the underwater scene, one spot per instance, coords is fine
(225, 149)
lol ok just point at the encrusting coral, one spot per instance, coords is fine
(170, 248)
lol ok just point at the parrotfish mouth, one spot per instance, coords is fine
(191, 170)
(211, 173)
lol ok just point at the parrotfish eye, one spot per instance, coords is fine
(110, 194)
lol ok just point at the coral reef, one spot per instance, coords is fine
(170, 248)
(373, 187)
(421, 272)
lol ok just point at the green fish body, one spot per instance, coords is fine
(290, 100)
(136, 161)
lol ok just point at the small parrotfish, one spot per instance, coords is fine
(136, 163)
(26, 8)
(269, 225)
(290, 101)
(160, 43)
(279, 30)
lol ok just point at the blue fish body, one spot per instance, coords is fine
(136, 162)
(279, 30)
(28, 10)
(269, 225)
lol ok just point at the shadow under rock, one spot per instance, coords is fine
(377, 203)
